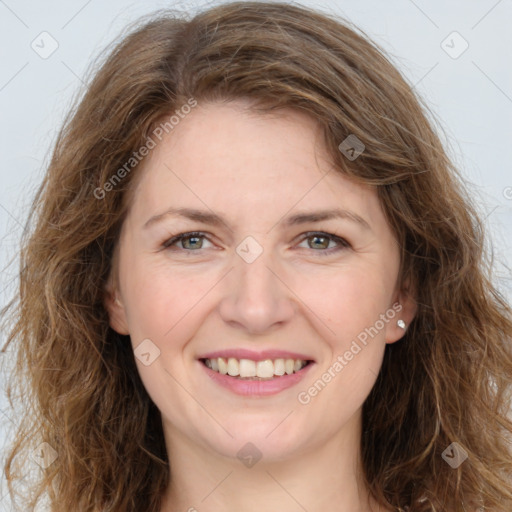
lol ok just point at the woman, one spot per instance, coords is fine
(256, 282)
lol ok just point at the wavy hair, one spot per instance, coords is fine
(448, 380)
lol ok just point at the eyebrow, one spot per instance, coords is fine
(214, 219)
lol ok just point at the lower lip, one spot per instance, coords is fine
(257, 387)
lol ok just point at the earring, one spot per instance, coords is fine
(401, 324)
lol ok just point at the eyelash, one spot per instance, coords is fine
(343, 244)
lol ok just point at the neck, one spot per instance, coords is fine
(323, 477)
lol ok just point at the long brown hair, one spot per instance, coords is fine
(448, 380)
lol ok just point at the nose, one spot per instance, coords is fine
(256, 298)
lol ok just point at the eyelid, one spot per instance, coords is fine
(342, 242)
(336, 238)
(185, 234)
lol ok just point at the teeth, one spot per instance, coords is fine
(233, 367)
(279, 367)
(223, 365)
(246, 368)
(265, 369)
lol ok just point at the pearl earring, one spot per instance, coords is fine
(401, 324)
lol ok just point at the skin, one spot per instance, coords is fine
(199, 295)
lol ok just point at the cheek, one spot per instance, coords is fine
(167, 307)
(351, 306)
(161, 302)
(348, 300)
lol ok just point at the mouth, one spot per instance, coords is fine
(248, 369)
(255, 375)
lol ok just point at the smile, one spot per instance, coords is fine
(255, 370)
(255, 374)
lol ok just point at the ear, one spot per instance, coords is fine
(405, 307)
(115, 309)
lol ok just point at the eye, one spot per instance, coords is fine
(190, 241)
(193, 241)
(321, 241)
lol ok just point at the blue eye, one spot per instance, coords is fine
(193, 241)
(322, 241)
(194, 236)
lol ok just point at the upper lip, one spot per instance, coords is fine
(241, 353)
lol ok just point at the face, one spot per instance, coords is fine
(258, 278)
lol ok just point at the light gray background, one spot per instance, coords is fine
(471, 95)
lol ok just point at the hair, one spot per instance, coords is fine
(448, 379)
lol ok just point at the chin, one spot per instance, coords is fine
(261, 440)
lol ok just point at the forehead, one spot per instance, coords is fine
(227, 156)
